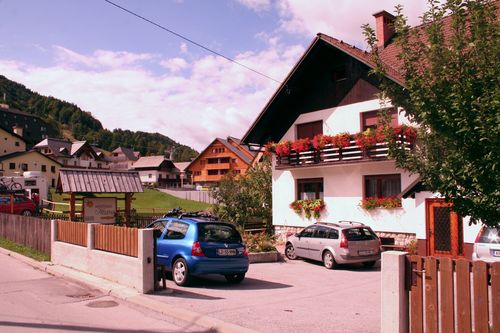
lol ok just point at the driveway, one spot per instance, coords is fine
(292, 296)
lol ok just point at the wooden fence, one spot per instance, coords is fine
(449, 295)
(116, 239)
(26, 230)
(72, 232)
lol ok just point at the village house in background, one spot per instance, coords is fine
(329, 92)
(123, 158)
(220, 157)
(185, 176)
(78, 154)
(10, 141)
(157, 171)
(32, 128)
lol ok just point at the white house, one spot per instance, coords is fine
(329, 92)
(158, 171)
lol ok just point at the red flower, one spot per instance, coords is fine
(283, 148)
(342, 140)
(301, 145)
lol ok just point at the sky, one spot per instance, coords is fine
(133, 75)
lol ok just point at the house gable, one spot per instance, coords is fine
(329, 74)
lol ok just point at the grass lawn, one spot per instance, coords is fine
(24, 250)
(148, 201)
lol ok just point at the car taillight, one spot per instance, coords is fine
(245, 252)
(343, 241)
(196, 250)
(479, 235)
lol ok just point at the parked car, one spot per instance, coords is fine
(22, 205)
(487, 245)
(343, 242)
(193, 245)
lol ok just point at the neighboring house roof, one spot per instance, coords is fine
(129, 153)
(98, 181)
(65, 148)
(182, 165)
(229, 146)
(12, 133)
(6, 108)
(153, 162)
(21, 153)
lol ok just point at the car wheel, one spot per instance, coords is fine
(234, 278)
(26, 213)
(369, 263)
(180, 273)
(328, 260)
(290, 252)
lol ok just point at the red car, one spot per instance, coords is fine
(22, 205)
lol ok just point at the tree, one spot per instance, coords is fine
(451, 70)
(244, 197)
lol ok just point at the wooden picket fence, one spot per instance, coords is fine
(116, 239)
(30, 231)
(448, 295)
(72, 232)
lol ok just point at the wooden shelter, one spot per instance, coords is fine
(81, 182)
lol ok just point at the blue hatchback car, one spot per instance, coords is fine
(190, 246)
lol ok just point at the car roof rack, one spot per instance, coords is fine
(199, 216)
(342, 223)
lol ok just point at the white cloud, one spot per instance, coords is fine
(183, 48)
(215, 99)
(338, 18)
(257, 5)
(100, 58)
(174, 64)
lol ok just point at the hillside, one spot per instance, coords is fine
(72, 123)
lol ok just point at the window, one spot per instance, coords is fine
(150, 175)
(308, 232)
(176, 230)
(44, 168)
(197, 173)
(24, 166)
(321, 232)
(234, 160)
(310, 189)
(382, 186)
(12, 166)
(371, 119)
(213, 160)
(16, 143)
(223, 172)
(237, 172)
(212, 232)
(224, 160)
(213, 172)
(52, 169)
(309, 130)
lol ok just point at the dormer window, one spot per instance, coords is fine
(309, 130)
(372, 119)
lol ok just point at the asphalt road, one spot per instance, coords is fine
(295, 296)
(34, 301)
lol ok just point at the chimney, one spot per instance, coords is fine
(17, 130)
(384, 27)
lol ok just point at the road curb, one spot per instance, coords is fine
(131, 295)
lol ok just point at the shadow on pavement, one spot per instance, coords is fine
(347, 267)
(81, 328)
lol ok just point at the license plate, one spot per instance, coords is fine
(365, 252)
(496, 253)
(226, 252)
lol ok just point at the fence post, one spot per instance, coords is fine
(53, 237)
(145, 255)
(394, 297)
(90, 236)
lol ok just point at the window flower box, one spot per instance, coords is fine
(310, 208)
(373, 202)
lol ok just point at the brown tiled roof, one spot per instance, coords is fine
(99, 181)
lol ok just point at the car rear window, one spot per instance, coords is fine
(359, 234)
(490, 235)
(215, 232)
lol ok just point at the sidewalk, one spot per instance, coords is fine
(131, 295)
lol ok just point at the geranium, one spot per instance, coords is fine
(270, 148)
(342, 140)
(283, 148)
(301, 145)
(320, 141)
(406, 133)
(310, 208)
(373, 202)
(367, 139)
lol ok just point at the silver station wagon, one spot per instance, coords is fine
(342, 242)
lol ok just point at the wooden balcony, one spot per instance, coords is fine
(331, 155)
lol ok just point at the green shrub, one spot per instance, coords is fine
(259, 242)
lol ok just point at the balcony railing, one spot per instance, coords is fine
(334, 155)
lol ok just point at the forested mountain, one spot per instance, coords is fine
(73, 123)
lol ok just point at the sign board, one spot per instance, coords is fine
(99, 210)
